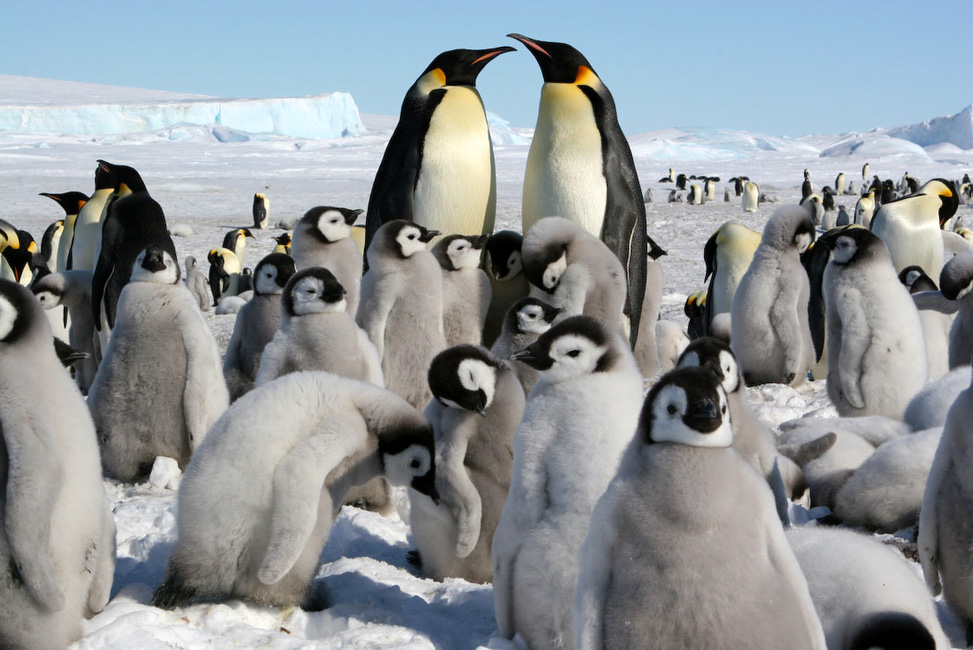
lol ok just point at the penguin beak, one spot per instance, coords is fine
(532, 358)
(352, 217)
(153, 261)
(485, 57)
(534, 46)
(334, 295)
(703, 416)
(426, 484)
(480, 242)
(428, 235)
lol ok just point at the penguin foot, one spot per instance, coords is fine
(414, 558)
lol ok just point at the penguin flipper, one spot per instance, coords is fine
(203, 398)
(928, 538)
(103, 272)
(455, 487)
(855, 340)
(34, 479)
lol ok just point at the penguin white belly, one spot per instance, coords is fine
(728, 275)
(87, 232)
(456, 190)
(911, 235)
(565, 173)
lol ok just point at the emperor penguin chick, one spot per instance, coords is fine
(527, 319)
(578, 271)
(256, 323)
(671, 515)
(466, 288)
(876, 350)
(72, 290)
(58, 542)
(566, 449)
(323, 238)
(257, 502)
(160, 386)
(957, 284)
(401, 307)
(770, 331)
(476, 408)
(197, 283)
(504, 265)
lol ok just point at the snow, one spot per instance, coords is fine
(956, 129)
(205, 175)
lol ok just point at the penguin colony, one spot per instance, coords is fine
(492, 377)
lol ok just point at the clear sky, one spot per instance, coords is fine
(778, 67)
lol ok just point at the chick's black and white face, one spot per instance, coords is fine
(48, 299)
(155, 266)
(844, 249)
(530, 319)
(697, 417)
(412, 467)
(573, 356)
(462, 254)
(265, 282)
(729, 371)
(477, 385)
(554, 271)
(802, 240)
(515, 265)
(311, 296)
(332, 225)
(409, 241)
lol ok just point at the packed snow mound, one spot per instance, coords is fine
(955, 129)
(501, 134)
(875, 145)
(712, 144)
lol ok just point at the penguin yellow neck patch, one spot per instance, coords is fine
(586, 77)
(432, 80)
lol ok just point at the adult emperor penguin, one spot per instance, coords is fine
(876, 350)
(261, 211)
(166, 412)
(670, 516)
(476, 408)
(49, 243)
(438, 169)
(526, 320)
(580, 165)
(751, 196)
(257, 501)
(224, 273)
(770, 334)
(401, 307)
(72, 291)
(283, 244)
(71, 203)
(323, 238)
(466, 288)
(197, 283)
(236, 241)
(565, 452)
(956, 281)
(256, 323)
(865, 209)
(727, 256)
(87, 227)
(839, 183)
(58, 542)
(504, 265)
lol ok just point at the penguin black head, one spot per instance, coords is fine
(125, 178)
(47, 239)
(408, 456)
(464, 377)
(854, 244)
(18, 311)
(230, 239)
(956, 278)
(687, 406)
(272, 274)
(915, 278)
(329, 224)
(400, 238)
(155, 265)
(70, 202)
(504, 259)
(579, 345)
(313, 290)
(104, 178)
(546, 258)
(48, 288)
(530, 316)
(559, 62)
(716, 356)
(790, 226)
(461, 67)
(890, 631)
(946, 191)
(284, 242)
(456, 252)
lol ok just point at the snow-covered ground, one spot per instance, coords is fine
(207, 183)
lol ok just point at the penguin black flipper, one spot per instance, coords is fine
(709, 258)
(104, 268)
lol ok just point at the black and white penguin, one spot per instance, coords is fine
(71, 203)
(236, 241)
(87, 229)
(526, 319)
(261, 211)
(916, 279)
(224, 273)
(323, 238)
(504, 265)
(283, 244)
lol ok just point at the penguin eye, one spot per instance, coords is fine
(415, 464)
(574, 354)
(723, 410)
(412, 236)
(671, 409)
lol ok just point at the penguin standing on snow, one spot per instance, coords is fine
(727, 254)
(236, 241)
(72, 291)
(87, 228)
(71, 202)
(261, 211)
(323, 238)
(580, 166)
(438, 169)
(196, 283)
(466, 288)
(224, 273)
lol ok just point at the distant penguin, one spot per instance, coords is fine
(256, 323)
(770, 333)
(751, 196)
(580, 166)
(695, 195)
(670, 516)
(865, 209)
(726, 195)
(526, 320)
(87, 227)
(911, 226)
(72, 291)
(709, 189)
(695, 311)
(236, 241)
(577, 270)
(866, 171)
(323, 238)
(869, 314)
(839, 183)
(476, 408)
(843, 219)
(224, 273)
(401, 306)
(261, 211)
(807, 188)
(671, 178)
(681, 182)
(257, 502)
(197, 283)
(58, 542)
(647, 197)
(143, 414)
(438, 168)
(504, 265)
(865, 593)
(71, 202)
(956, 281)
(738, 182)
(566, 450)
(283, 244)
(815, 208)
(675, 197)
(466, 288)
(727, 255)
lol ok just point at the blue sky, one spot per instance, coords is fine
(781, 68)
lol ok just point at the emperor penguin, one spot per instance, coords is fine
(283, 244)
(256, 323)
(401, 306)
(87, 228)
(526, 320)
(866, 170)
(224, 273)
(865, 593)
(323, 238)
(9, 239)
(236, 241)
(770, 333)
(839, 183)
(143, 414)
(865, 209)
(670, 516)
(815, 208)
(876, 350)
(316, 332)
(911, 227)
(843, 219)
(476, 408)
(257, 502)
(580, 166)
(727, 255)
(751, 196)
(49, 242)
(438, 168)
(695, 195)
(58, 545)
(566, 450)
(71, 203)
(71, 290)
(956, 281)
(504, 265)
(807, 188)
(577, 271)
(466, 288)
(197, 283)
(261, 211)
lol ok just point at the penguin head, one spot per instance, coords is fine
(283, 243)
(155, 265)
(190, 263)
(104, 179)
(716, 356)
(237, 237)
(946, 192)
(464, 377)
(456, 252)
(687, 406)
(458, 67)
(504, 261)
(313, 290)
(329, 224)
(70, 202)
(19, 312)
(790, 227)
(408, 238)
(854, 244)
(915, 278)
(531, 316)
(695, 304)
(408, 456)
(49, 289)
(956, 278)
(577, 346)
(272, 274)
(125, 178)
(560, 62)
